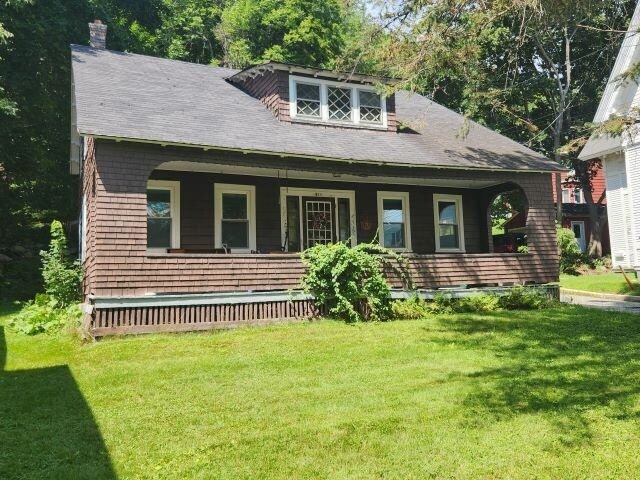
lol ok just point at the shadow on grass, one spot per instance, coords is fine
(47, 429)
(562, 363)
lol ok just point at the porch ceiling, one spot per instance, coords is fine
(336, 176)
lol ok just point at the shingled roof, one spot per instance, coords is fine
(142, 98)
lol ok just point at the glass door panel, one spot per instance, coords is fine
(318, 221)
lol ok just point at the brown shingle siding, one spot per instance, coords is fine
(118, 264)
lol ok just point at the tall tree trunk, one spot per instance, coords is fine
(583, 175)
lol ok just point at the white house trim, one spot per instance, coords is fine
(621, 155)
(317, 192)
(457, 199)
(406, 213)
(174, 199)
(324, 108)
(250, 191)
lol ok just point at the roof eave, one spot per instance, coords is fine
(89, 133)
(262, 68)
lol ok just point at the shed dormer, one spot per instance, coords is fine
(300, 94)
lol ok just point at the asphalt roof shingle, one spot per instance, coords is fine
(143, 98)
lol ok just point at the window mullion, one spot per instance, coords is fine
(355, 105)
(324, 102)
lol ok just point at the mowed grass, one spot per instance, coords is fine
(602, 283)
(521, 395)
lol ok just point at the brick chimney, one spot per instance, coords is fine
(98, 34)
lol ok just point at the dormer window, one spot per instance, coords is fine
(370, 107)
(336, 102)
(339, 100)
(308, 100)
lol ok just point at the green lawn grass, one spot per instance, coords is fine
(603, 283)
(553, 394)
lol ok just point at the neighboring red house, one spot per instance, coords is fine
(575, 214)
(201, 185)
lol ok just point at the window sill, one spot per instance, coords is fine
(356, 126)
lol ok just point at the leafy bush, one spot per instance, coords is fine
(478, 303)
(43, 315)
(521, 298)
(570, 255)
(62, 277)
(517, 298)
(410, 308)
(349, 281)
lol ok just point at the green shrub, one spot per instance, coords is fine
(44, 315)
(410, 308)
(443, 303)
(349, 281)
(478, 303)
(517, 298)
(62, 277)
(521, 298)
(570, 255)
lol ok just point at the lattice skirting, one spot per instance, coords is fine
(174, 318)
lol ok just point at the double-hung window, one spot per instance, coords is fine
(308, 100)
(449, 226)
(566, 195)
(577, 195)
(370, 107)
(393, 220)
(235, 219)
(163, 215)
(312, 99)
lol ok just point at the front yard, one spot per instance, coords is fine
(552, 394)
(601, 283)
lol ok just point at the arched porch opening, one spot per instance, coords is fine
(507, 219)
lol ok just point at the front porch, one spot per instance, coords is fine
(215, 223)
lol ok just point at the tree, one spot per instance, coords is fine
(531, 69)
(306, 32)
(188, 30)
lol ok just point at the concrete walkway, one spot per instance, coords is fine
(616, 303)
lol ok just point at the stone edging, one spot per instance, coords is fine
(604, 296)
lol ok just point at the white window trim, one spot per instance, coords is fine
(317, 192)
(406, 212)
(575, 199)
(174, 198)
(250, 192)
(457, 199)
(324, 105)
(566, 199)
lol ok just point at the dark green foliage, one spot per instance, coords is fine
(44, 315)
(20, 279)
(62, 277)
(522, 298)
(349, 281)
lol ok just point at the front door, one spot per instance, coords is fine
(319, 220)
(578, 230)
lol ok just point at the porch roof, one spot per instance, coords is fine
(141, 98)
